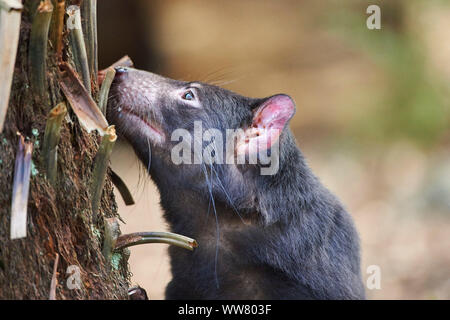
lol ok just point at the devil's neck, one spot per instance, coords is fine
(233, 195)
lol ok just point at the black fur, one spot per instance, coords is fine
(281, 236)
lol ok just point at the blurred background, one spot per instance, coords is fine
(372, 114)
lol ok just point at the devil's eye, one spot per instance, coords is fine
(188, 95)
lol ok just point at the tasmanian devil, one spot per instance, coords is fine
(266, 227)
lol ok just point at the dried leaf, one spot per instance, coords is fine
(87, 111)
(21, 185)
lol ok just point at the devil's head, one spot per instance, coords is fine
(181, 125)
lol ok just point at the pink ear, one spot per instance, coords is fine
(268, 122)
(274, 112)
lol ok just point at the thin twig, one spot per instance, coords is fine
(104, 91)
(38, 49)
(101, 167)
(78, 46)
(21, 185)
(54, 282)
(137, 238)
(51, 139)
(122, 187)
(10, 15)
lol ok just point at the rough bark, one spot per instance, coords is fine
(60, 219)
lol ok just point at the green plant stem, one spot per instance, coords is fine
(89, 10)
(38, 48)
(122, 187)
(101, 166)
(51, 139)
(104, 90)
(78, 46)
(134, 239)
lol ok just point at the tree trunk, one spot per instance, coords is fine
(60, 220)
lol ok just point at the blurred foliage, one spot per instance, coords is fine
(360, 94)
(412, 105)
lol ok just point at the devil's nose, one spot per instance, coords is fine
(120, 70)
(121, 74)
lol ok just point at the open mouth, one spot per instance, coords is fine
(143, 124)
